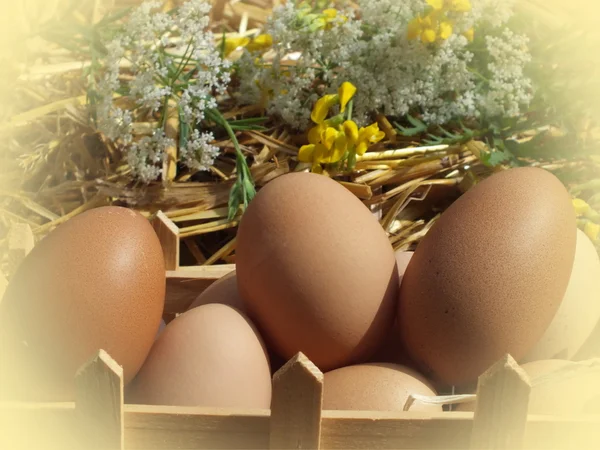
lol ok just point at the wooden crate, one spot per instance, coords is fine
(99, 419)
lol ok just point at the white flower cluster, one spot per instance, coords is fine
(394, 75)
(157, 49)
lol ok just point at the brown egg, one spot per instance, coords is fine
(567, 393)
(96, 282)
(211, 355)
(579, 310)
(489, 276)
(224, 291)
(316, 271)
(375, 387)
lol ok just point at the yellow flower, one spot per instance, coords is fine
(260, 42)
(312, 154)
(367, 136)
(329, 136)
(460, 5)
(592, 230)
(306, 153)
(322, 107)
(351, 131)
(330, 13)
(469, 34)
(581, 207)
(314, 134)
(233, 43)
(423, 27)
(451, 5)
(428, 36)
(346, 92)
(445, 30)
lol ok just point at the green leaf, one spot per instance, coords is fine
(494, 158)
(418, 127)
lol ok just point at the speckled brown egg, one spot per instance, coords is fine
(96, 282)
(559, 388)
(316, 271)
(489, 276)
(375, 387)
(211, 355)
(579, 310)
(224, 291)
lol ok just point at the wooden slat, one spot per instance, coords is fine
(99, 403)
(168, 235)
(164, 427)
(296, 405)
(392, 430)
(171, 428)
(27, 426)
(501, 408)
(187, 283)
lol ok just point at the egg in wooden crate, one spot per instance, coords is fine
(316, 271)
(376, 387)
(95, 282)
(211, 355)
(489, 276)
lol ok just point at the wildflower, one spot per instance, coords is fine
(345, 93)
(260, 43)
(198, 153)
(351, 131)
(322, 107)
(158, 78)
(450, 5)
(460, 5)
(437, 80)
(592, 230)
(233, 43)
(581, 207)
(445, 30)
(330, 13)
(422, 27)
(367, 136)
(469, 34)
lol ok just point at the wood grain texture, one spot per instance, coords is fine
(174, 428)
(168, 235)
(165, 427)
(501, 408)
(186, 283)
(296, 405)
(99, 403)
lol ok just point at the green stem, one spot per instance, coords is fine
(244, 183)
